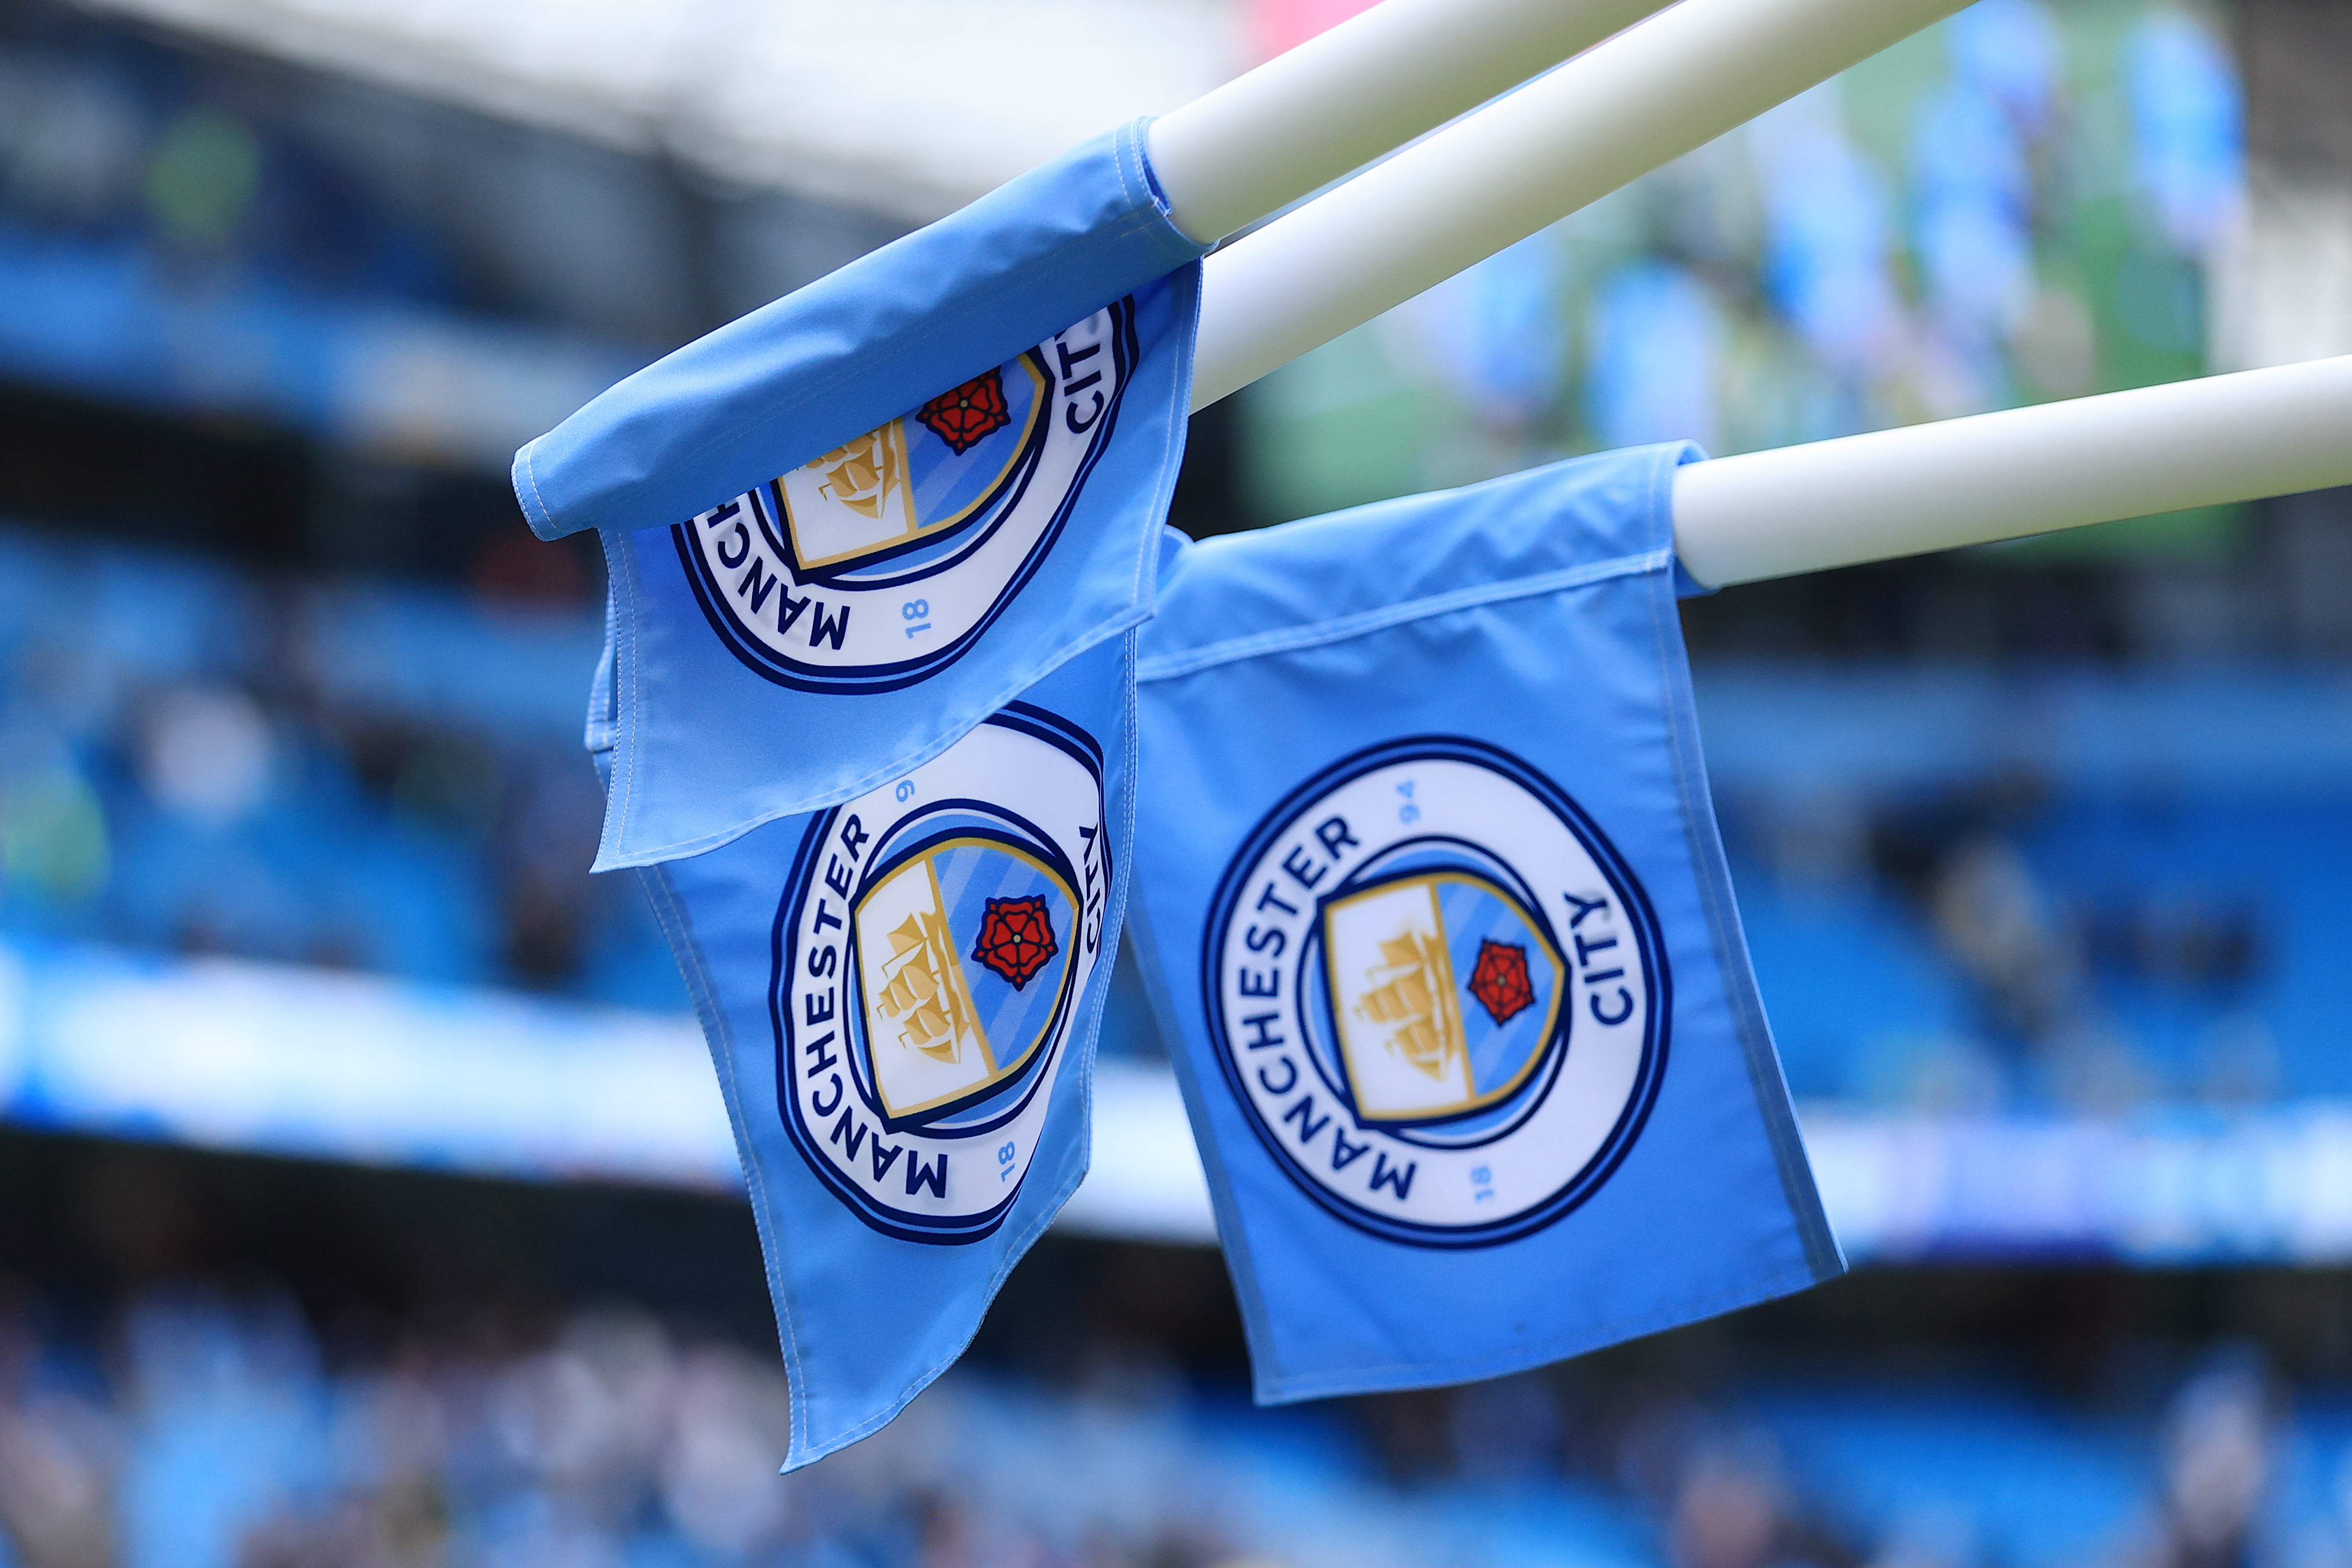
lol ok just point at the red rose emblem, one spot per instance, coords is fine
(1500, 981)
(1016, 939)
(970, 414)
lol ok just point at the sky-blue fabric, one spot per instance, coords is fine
(706, 747)
(866, 1320)
(1536, 613)
(861, 345)
(707, 742)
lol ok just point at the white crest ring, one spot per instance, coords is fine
(1438, 993)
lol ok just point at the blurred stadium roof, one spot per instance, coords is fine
(907, 107)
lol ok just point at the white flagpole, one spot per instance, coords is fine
(2022, 471)
(1639, 100)
(1347, 96)
(1616, 112)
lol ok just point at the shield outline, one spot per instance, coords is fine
(1001, 1072)
(1649, 941)
(1337, 1022)
(895, 432)
(776, 665)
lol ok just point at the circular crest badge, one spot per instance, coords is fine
(883, 561)
(1438, 993)
(933, 941)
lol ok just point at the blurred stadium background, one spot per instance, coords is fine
(366, 1200)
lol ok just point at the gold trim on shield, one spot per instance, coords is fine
(869, 477)
(1412, 991)
(926, 994)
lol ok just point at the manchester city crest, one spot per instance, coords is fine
(1438, 993)
(879, 562)
(934, 940)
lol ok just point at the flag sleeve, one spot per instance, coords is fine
(857, 347)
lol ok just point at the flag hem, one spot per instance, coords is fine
(1291, 639)
(850, 350)
(1704, 842)
(1140, 606)
(676, 928)
(1428, 1374)
(669, 911)
(1819, 1259)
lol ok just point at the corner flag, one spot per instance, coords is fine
(1431, 905)
(846, 529)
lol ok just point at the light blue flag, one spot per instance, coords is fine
(844, 530)
(1433, 912)
(901, 995)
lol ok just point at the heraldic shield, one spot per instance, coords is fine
(1443, 992)
(962, 959)
(886, 557)
(902, 486)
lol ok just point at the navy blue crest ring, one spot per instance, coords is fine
(882, 562)
(1438, 993)
(932, 947)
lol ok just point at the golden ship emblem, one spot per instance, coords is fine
(867, 474)
(856, 500)
(927, 1035)
(862, 498)
(925, 990)
(1412, 988)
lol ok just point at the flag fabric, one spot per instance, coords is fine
(901, 993)
(865, 721)
(844, 530)
(1434, 916)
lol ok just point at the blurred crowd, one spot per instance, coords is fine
(2027, 201)
(1953, 904)
(2034, 200)
(207, 1428)
(200, 759)
(113, 138)
(2003, 941)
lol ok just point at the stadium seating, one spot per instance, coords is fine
(208, 1430)
(1964, 889)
